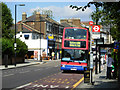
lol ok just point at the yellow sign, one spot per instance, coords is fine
(115, 50)
(50, 36)
(75, 44)
(89, 28)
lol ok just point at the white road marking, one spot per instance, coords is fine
(37, 69)
(8, 75)
(54, 86)
(24, 72)
(23, 86)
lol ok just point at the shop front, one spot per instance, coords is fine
(51, 46)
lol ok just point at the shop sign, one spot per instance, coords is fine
(50, 37)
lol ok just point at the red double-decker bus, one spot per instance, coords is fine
(75, 48)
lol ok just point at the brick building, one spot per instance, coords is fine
(42, 27)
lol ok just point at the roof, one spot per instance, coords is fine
(42, 18)
(27, 28)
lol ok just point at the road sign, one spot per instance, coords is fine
(96, 28)
(91, 23)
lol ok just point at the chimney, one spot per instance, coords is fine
(37, 16)
(24, 16)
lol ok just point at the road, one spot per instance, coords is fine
(15, 77)
(46, 75)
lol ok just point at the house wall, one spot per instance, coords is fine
(34, 44)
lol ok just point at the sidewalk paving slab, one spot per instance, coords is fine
(27, 63)
(100, 82)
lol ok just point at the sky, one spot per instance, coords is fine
(61, 10)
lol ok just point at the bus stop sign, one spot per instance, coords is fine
(96, 28)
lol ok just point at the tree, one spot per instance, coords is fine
(7, 21)
(7, 47)
(8, 33)
(108, 12)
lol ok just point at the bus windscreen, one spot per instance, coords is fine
(74, 54)
(75, 33)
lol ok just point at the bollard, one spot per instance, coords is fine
(6, 60)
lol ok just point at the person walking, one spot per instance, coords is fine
(109, 66)
(102, 61)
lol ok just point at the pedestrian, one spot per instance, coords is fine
(102, 61)
(53, 55)
(109, 66)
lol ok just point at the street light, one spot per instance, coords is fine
(40, 41)
(15, 45)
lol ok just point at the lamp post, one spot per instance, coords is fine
(15, 45)
(40, 41)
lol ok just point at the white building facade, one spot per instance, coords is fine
(33, 40)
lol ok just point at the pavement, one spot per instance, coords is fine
(99, 79)
(26, 63)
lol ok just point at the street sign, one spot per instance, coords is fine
(91, 23)
(96, 28)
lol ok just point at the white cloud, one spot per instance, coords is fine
(67, 12)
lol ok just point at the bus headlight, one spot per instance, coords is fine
(62, 65)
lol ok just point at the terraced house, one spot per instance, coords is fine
(42, 34)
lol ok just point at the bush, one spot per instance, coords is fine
(22, 48)
(7, 47)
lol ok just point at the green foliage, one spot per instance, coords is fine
(115, 32)
(108, 13)
(21, 48)
(7, 20)
(7, 34)
(7, 46)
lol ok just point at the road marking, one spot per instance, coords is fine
(76, 84)
(8, 75)
(24, 72)
(23, 86)
(37, 69)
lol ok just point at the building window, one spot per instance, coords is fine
(26, 36)
(47, 26)
(37, 37)
(33, 36)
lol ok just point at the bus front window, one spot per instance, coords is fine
(74, 54)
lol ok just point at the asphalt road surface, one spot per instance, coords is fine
(40, 76)
(12, 78)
